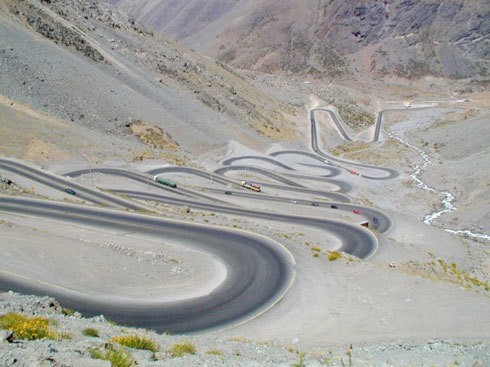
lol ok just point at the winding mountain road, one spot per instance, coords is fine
(259, 270)
(389, 173)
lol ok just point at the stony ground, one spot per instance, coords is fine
(73, 348)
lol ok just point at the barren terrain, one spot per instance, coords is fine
(329, 38)
(425, 288)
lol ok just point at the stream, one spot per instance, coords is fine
(447, 205)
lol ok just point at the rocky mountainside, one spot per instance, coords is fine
(409, 38)
(90, 65)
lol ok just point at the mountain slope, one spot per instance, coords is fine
(410, 38)
(87, 64)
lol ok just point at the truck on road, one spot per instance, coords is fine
(251, 185)
(165, 181)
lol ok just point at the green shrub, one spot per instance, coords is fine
(136, 342)
(179, 349)
(28, 328)
(334, 255)
(118, 357)
(90, 332)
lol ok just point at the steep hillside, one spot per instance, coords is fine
(409, 38)
(94, 68)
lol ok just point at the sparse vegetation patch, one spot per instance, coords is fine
(153, 136)
(136, 342)
(215, 352)
(179, 349)
(350, 147)
(334, 255)
(439, 269)
(28, 328)
(90, 332)
(117, 356)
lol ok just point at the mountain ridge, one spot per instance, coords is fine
(407, 38)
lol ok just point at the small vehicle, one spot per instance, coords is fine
(228, 192)
(251, 185)
(292, 201)
(375, 220)
(165, 181)
(315, 204)
(70, 191)
(353, 172)
(334, 206)
(356, 211)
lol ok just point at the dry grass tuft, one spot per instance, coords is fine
(334, 255)
(136, 342)
(117, 357)
(179, 349)
(28, 328)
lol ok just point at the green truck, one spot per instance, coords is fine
(165, 181)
